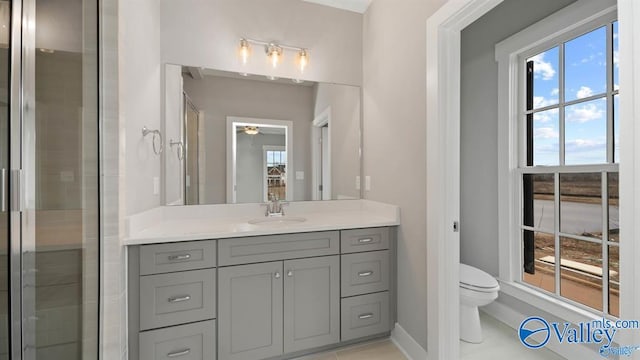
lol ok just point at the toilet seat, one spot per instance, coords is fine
(477, 280)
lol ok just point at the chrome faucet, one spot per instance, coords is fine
(275, 206)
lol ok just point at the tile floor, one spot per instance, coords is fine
(377, 350)
(501, 342)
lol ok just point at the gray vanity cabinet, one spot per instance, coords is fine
(250, 321)
(268, 309)
(311, 303)
(260, 297)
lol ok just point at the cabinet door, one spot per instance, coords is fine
(250, 311)
(311, 303)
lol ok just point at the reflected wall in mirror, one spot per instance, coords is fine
(237, 139)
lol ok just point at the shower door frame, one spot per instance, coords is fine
(21, 177)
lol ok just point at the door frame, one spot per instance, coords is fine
(443, 159)
(321, 120)
(235, 121)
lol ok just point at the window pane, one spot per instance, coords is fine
(545, 78)
(614, 280)
(539, 201)
(543, 275)
(614, 202)
(546, 138)
(585, 65)
(616, 79)
(586, 133)
(581, 271)
(616, 129)
(581, 204)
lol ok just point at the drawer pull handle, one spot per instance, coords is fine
(365, 316)
(179, 257)
(178, 299)
(179, 353)
(365, 273)
(365, 241)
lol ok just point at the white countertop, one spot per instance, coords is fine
(183, 223)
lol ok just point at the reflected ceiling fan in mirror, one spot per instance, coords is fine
(249, 130)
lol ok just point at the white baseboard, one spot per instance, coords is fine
(407, 344)
(512, 318)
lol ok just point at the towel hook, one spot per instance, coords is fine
(156, 133)
(180, 148)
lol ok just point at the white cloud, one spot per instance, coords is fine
(541, 101)
(585, 113)
(616, 58)
(555, 92)
(584, 92)
(545, 116)
(546, 133)
(542, 68)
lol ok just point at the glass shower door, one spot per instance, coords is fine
(5, 25)
(59, 180)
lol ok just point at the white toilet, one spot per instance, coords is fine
(477, 288)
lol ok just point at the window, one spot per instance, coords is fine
(275, 172)
(567, 173)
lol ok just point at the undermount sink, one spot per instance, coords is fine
(280, 220)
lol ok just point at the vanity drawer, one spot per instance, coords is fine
(181, 256)
(365, 315)
(177, 298)
(277, 247)
(186, 342)
(364, 273)
(359, 240)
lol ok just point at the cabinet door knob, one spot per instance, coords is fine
(277, 275)
(179, 353)
(290, 273)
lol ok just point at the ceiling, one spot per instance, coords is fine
(359, 6)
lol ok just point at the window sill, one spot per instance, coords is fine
(549, 304)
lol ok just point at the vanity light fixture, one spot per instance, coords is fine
(303, 59)
(251, 130)
(274, 51)
(245, 50)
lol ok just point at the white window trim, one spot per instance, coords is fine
(509, 54)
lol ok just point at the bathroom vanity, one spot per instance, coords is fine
(262, 290)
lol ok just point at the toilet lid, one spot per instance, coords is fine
(471, 277)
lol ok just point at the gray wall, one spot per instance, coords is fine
(479, 125)
(220, 97)
(205, 33)
(394, 146)
(344, 132)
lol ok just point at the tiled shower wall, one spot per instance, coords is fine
(113, 269)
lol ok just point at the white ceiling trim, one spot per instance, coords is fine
(359, 6)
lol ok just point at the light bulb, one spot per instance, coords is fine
(274, 52)
(274, 58)
(244, 51)
(303, 59)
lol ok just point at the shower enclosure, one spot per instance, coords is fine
(49, 180)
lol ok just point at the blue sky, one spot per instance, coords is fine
(585, 123)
